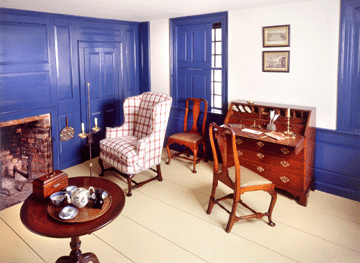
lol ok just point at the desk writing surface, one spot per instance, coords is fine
(297, 143)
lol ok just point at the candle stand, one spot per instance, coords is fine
(90, 134)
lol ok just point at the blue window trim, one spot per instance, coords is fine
(347, 68)
(199, 19)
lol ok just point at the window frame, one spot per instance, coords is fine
(200, 19)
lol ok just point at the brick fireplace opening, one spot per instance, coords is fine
(20, 140)
(24, 138)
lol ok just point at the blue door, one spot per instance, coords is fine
(100, 81)
(193, 72)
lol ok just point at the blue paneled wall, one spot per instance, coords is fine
(46, 60)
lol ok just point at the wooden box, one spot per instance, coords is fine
(50, 183)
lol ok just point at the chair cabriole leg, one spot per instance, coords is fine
(169, 154)
(101, 163)
(271, 207)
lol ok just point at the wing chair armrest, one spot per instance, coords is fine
(117, 131)
(141, 144)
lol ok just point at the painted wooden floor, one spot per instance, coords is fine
(166, 222)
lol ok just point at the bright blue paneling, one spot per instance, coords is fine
(337, 163)
(23, 43)
(144, 60)
(63, 63)
(348, 109)
(37, 85)
(40, 68)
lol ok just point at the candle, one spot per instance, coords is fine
(95, 122)
(82, 127)
(288, 113)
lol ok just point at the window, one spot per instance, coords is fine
(216, 67)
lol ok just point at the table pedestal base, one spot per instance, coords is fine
(76, 256)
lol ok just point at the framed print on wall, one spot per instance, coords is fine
(275, 61)
(276, 36)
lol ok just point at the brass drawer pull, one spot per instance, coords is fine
(284, 163)
(260, 169)
(260, 144)
(239, 141)
(260, 155)
(239, 153)
(284, 179)
(285, 150)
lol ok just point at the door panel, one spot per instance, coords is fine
(193, 83)
(194, 46)
(100, 68)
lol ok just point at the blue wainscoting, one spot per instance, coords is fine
(337, 163)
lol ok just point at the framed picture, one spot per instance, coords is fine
(275, 61)
(276, 36)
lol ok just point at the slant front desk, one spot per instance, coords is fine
(289, 163)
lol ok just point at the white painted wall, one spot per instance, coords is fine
(314, 40)
(160, 56)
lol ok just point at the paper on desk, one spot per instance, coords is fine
(251, 131)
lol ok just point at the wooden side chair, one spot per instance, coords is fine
(137, 145)
(240, 179)
(193, 138)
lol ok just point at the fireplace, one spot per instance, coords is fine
(26, 138)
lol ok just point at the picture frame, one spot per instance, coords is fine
(276, 61)
(276, 36)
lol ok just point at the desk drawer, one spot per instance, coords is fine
(285, 163)
(266, 147)
(280, 178)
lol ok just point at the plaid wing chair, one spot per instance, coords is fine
(137, 144)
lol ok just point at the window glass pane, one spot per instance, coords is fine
(217, 88)
(213, 34)
(218, 61)
(218, 47)
(217, 102)
(218, 34)
(217, 76)
(213, 61)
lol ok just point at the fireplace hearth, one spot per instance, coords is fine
(24, 143)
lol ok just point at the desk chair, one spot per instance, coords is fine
(193, 138)
(239, 179)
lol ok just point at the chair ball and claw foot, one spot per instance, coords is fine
(190, 139)
(236, 177)
(137, 145)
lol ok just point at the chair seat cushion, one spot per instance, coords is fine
(124, 148)
(248, 177)
(187, 137)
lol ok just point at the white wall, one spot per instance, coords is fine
(160, 56)
(314, 40)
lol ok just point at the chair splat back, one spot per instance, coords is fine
(195, 115)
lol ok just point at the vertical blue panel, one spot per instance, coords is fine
(182, 46)
(94, 75)
(199, 45)
(144, 57)
(109, 81)
(182, 85)
(63, 65)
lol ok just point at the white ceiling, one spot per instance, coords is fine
(137, 10)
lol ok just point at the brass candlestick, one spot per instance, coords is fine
(288, 133)
(89, 135)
